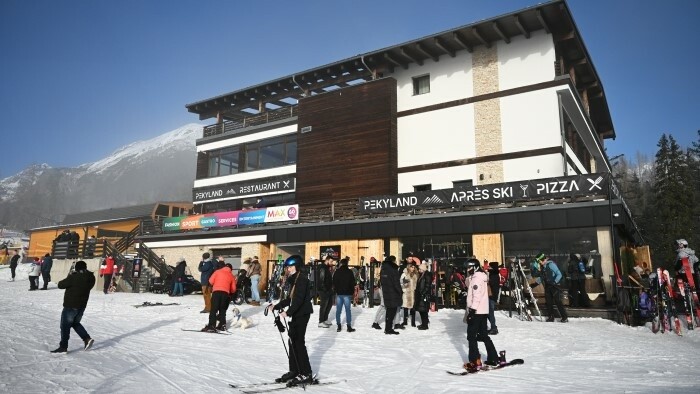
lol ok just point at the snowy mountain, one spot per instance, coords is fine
(159, 169)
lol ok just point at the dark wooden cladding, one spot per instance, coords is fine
(202, 165)
(351, 150)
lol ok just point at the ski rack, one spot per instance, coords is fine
(519, 286)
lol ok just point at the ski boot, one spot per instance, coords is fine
(301, 380)
(286, 377)
(502, 358)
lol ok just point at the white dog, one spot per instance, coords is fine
(238, 321)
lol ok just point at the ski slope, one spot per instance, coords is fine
(145, 350)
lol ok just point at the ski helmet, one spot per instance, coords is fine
(294, 260)
(472, 265)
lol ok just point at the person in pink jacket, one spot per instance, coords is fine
(477, 313)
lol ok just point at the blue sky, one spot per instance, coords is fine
(79, 78)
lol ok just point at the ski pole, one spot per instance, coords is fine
(280, 328)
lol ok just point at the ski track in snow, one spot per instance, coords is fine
(144, 350)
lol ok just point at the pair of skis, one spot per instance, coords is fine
(689, 292)
(265, 387)
(147, 303)
(522, 294)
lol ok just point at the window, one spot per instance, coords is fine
(258, 155)
(421, 85)
(422, 188)
(465, 183)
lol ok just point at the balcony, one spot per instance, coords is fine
(232, 127)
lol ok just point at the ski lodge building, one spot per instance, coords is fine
(486, 139)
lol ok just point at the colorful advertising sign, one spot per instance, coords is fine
(233, 218)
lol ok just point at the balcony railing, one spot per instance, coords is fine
(253, 120)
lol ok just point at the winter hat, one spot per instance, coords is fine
(540, 256)
(423, 266)
(181, 259)
(80, 265)
(294, 260)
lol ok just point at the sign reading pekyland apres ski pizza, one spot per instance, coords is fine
(535, 189)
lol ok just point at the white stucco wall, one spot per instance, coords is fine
(441, 178)
(530, 121)
(545, 166)
(436, 136)
(450, 79)
(526, 61)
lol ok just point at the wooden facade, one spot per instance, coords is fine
(351, 148)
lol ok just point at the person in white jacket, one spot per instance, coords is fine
(34, 273)
(477, 313)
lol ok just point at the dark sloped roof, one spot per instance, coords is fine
(107, 215)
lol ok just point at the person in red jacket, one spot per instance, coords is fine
(107, 271)
(223, 285)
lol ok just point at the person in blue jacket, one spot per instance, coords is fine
(547, 272)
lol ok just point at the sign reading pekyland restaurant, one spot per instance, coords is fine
(230, 191)
(536, 189)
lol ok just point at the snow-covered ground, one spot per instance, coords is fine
(145, 350)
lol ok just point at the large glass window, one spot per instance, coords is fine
(557, 244)
(258, 155)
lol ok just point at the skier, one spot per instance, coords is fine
(223, 285)
(206, 267)
(476, 316)
(299, 309)
(13, 264)
(391, 292)
(325, 290)
(78, 285)
(546, 270)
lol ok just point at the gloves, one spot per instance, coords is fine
(100, 275)
(470, 316)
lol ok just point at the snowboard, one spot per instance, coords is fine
(486, 368)
(154, 304)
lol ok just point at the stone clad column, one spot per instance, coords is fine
(487, 114)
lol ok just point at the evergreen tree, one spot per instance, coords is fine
(671, 212)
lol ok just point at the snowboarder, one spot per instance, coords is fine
(299, 309)
(476, 316)
(223, 285)
(78, 285)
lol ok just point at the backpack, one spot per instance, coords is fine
(502, 276)
(644, 305)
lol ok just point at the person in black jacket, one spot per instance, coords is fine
(494, 290)
(391, 292)
(577, 282)
(422, 298)
(299, 309)
(46, 265)
(344, 285)
(178, 278)
(325, 291)
(13, 264)
(78, 285)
